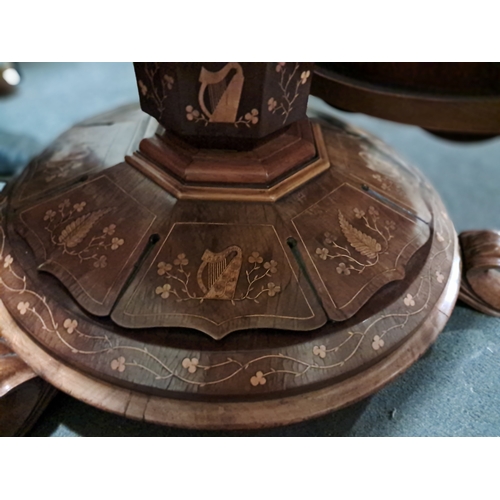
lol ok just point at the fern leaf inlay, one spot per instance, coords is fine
(75, 232)
(362, 243)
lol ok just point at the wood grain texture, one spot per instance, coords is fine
(480, 287)
(90, 238)
(23, 396)
(236, 415)
(84, 150)
(461, 98)
(371, 163)
(284, 152)
(270, 351)
(221, 269)
(279, 176)
(221, 306)
(224, 105)
(351, 237)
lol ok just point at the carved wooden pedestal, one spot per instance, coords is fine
(480, 287)
(316, 288)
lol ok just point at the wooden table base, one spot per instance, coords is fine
(230, 415)
(222, 314)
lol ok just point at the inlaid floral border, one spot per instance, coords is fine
(123, 358)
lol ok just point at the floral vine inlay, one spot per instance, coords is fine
(149, 89)
(61, 164)
(368, 246)
(69, 227)
(385, 184)
(191, 370)
(290, 82)
(190, 364)
(248, 119)
(218, 276)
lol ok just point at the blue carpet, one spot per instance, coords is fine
(453, 391)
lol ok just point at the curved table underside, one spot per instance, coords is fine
(397, 295)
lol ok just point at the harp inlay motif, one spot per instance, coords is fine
(222, 273)
(220, 93)
(219, 98)
(218, 276)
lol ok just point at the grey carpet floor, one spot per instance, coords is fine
(454, 390)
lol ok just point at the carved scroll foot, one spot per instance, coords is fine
(480, 286)
(23, 395)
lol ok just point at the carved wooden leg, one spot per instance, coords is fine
(23, 395)
(480, 286)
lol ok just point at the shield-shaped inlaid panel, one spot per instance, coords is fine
(353, 245)
(220, 278)
(90, 237)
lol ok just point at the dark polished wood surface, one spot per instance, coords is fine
(480, 286)
(23, 395)
(294, 272)
(290, 263)
(285, 151)
(456, 100)
(224, 105)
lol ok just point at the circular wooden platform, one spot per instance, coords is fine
(329, 293)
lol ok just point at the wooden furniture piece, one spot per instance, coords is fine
(480, 287)
(229, 263)
(459, 101)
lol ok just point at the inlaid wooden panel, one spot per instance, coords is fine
(235, 365)
(218, 273)
(263, 357)
(366, 160)
(174, 279)
(83, 150)
(354, 245)
(224, 105)
(90, 237)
